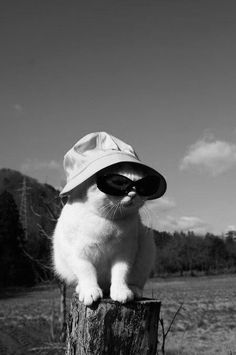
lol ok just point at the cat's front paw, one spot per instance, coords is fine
(121, 294)
(89, 295)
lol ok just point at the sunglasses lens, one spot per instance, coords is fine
(115, 185)
(118, 185)
(148, 186)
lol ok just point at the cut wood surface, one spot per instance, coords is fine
(109, 327)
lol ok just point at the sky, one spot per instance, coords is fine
(160, 75)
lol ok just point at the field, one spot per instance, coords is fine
(206, 323)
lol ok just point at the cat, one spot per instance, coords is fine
(100, 242)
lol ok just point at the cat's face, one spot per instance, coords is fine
(110, 206)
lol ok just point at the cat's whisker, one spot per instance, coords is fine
(122, 210)
(116, 208)
(106, 208)
(147, 216)
(145, 211)
(105, 212)
(109, 212)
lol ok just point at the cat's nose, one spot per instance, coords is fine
(132, 193)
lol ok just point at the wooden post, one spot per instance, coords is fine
(109, 327)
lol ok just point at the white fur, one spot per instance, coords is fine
(101, 245)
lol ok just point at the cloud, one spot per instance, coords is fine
(191, 223)
(46, 171)
(231, 227)
(158, 216)
(37, 165)
(154, 210)
(212, 156)
(162, 204)
(184, 223)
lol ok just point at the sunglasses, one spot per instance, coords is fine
(119, 185)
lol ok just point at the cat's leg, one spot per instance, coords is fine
(119, 290)
(143, 265)
(87, 288)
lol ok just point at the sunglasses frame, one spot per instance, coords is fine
(102, 186)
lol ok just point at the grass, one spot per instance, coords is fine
(29, 321)
(207, 321)
(205, 325)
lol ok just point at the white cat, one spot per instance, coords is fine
(100, 243)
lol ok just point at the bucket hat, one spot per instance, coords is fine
(96, 151)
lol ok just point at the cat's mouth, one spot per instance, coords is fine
(128, 203)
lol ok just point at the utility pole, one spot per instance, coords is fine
(23, 207)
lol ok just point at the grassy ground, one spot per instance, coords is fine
(205, 325)
(29, 321)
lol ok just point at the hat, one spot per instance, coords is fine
(95, 152)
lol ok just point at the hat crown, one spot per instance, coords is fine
(90, 148)
(101, 141)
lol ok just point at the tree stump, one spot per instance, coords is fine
(108, 327)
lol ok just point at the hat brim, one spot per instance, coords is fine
(106, 161)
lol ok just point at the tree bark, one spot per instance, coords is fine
(109, 327)
(62, 316)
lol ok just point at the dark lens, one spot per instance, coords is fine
(113, 184)
(118, 181)
(148, 186)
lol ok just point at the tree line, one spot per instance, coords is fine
(190, 253)
(26, 262)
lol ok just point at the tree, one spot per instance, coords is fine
(217, 253)
(230, 242)
(53, 212)
(15, 268)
